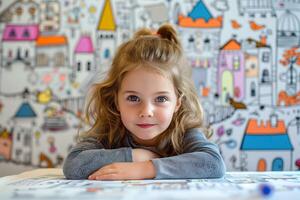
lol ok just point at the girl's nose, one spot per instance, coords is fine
(146, 111)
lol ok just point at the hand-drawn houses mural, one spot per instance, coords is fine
(244, 56)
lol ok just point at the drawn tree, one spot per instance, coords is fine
(290, 58)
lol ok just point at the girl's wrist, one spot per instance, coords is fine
(149, 169)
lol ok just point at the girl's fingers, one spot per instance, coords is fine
(101, 172)
(105, 170)
(107, 177)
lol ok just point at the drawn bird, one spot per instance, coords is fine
(237, 105)
(255, 27)
(45, 96)
(235, 24)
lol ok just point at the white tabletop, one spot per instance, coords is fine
(51, 184)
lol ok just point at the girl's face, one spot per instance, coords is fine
(147, 102)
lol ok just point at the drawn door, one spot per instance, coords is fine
(227, 86)
(277, 164)
(261, 165)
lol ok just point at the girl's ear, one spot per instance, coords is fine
(178, 103)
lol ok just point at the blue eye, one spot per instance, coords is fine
(161, 99)
(133, 98)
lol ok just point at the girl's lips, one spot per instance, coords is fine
(145, 125)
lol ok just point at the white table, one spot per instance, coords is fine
(51, 184)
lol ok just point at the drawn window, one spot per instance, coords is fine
(26, 53)
(88, 66)
(59, 59)
(78, 66)
(42, 60)
(12, 33)
(223, 61)
(253, 90)
(18, 137)
(265, 76)
(266, 57)
(26, 33)
(10, 54)
(292, 76)
(236, 62)
(27, 140)
(106, 53)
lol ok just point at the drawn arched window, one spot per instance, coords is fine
(106, 53)
(27, 140)
(42, 59)
(18, 136)
(59, 59)
(265, 76)
(236, 62)
(262, 165)
(292, 76)
(253, 89)
(19, 54)
(12, 33)
(10, 55)
(266, 57)
(78, 66)
(26, 53)
(223, 60)
(191, 39)
(88, 66)
(26, 33)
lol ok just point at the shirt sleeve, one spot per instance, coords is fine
(89, 155)
(201, 159)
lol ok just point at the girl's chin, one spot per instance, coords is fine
(145, 140)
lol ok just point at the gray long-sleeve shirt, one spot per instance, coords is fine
(200, 159)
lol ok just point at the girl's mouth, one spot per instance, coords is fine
(145, 125)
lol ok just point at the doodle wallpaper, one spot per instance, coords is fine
(244, 54)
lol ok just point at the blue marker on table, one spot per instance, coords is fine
(266, 190)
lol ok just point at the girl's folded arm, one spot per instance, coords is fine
(90, 155)
(201, 159)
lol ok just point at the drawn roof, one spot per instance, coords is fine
(200, 11)
(84, 45)
(51, 40)
(200, 17)
(107, 21)
(266, 137)
(17, 32)
(25, 111)
(231, 45)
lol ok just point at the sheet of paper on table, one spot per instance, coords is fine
(51, 184)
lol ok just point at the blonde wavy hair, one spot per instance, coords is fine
(162, 53)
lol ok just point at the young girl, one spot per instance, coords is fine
(147, 121)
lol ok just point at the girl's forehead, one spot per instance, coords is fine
(145, 79)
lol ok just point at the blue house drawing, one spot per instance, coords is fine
(266, 146)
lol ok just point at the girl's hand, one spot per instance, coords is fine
(125, 171)
(140, 155)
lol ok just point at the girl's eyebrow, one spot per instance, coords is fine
(135, 92)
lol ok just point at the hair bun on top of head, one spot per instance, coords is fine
(166, 31)
(142, 32)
